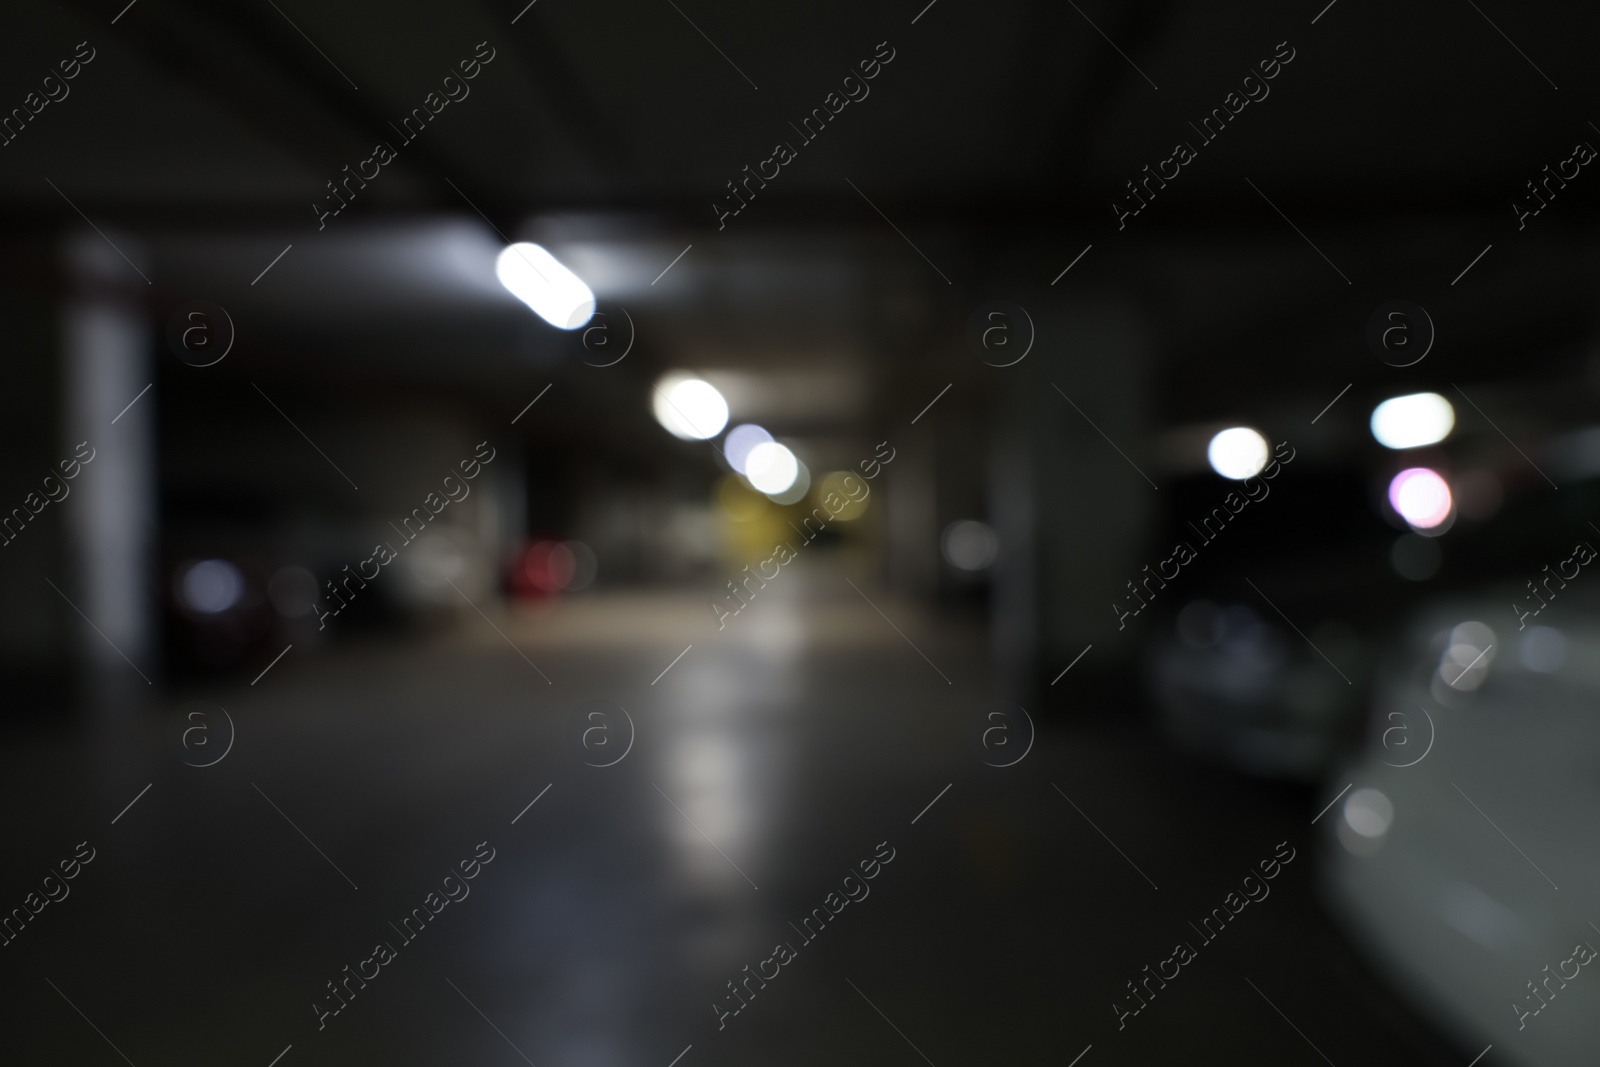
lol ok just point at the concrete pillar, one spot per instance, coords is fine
(111, 518)
(1072, 514)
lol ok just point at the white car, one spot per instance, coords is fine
(1463, 852)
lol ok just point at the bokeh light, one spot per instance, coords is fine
(210, 586)
(969, 545)
(1238, 453)
(1467, 655)
(771, 467)
(1544, 649)
(541, 281)
(738, 501)
(1369, 813)
(688, 408)
(1413, 421)
(796, 492)
(740, 440)
(550, 566)
(1421, 497)
(838, 482)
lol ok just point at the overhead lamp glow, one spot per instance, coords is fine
(1421, 496)
(796, 492)
(771, 467)
(210, 586)
(539, 280)
(740, 440)
(689, 408)
(1413, 421)
(1238, 453)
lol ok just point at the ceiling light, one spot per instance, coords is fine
(210, 586)
(1413, 421)
(740, 440)
(1238, 453)
(1421, 497)
(771, 467)
(796, 492)
(539, 280)
(690, 408)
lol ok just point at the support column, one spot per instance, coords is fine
(112, 567)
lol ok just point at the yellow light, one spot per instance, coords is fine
(846, 486)
(738, 501)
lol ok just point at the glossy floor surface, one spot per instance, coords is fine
(767, 762)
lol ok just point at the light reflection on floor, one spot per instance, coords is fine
(610, 923)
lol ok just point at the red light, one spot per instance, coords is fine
(545, 568)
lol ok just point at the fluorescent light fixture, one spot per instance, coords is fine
(539, 280)
(1413, 421)
(740, 440)
(1238, 453)
(796, 492)
(771, 467)
(689, 408)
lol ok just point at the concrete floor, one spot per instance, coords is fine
(767, 762)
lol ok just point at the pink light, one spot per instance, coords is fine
(1421, 496)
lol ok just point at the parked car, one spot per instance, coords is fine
(1460, 849)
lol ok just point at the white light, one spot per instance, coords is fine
(1544, 649)
(771, 467)
(210, 586)
(539, 280)
(969, 545)
(740, 440)
(1369, 813)
(1238, 453)
(1421, 497)
(1413, 421)
(796, 492)
(690, 408)
(1468, 653)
